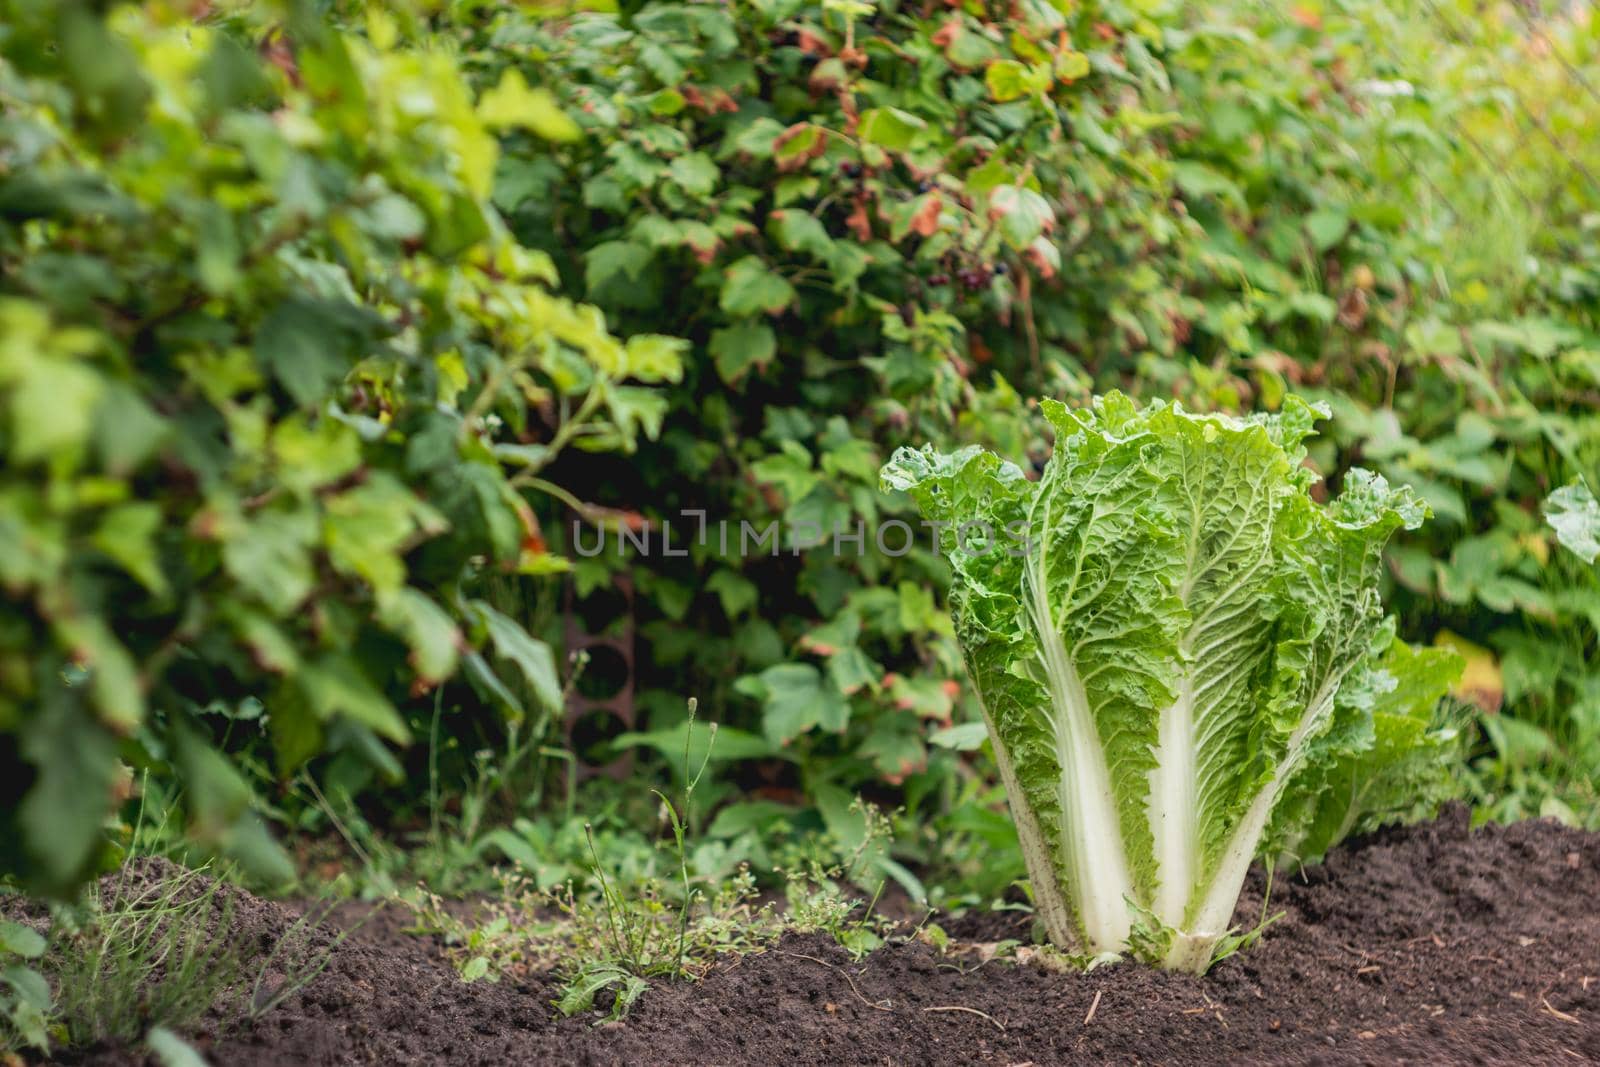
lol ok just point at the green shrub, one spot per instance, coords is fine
(1479, 389)
(274, 387)
(871, 222)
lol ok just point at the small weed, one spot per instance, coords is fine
(149, 953)
(613, 935)
(816, 881)
(608, 937)
(624, 940)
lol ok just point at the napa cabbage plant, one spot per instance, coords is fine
(1167, 632)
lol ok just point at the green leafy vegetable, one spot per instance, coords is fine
(1165, 629)
(1399, 770)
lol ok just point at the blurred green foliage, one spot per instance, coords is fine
(877, 225)
(274, 381)
(296, 419)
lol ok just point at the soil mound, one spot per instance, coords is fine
(1431, 944)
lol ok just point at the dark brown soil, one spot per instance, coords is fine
(1427, 945)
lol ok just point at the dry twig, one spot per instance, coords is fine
(1087, 1019)
(970, 1011)
(1565, 1017)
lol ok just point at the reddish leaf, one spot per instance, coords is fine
(811, 44)
(798, 145)
(1306, 17)
(857, 220)
(1046, 269)
(705, 254)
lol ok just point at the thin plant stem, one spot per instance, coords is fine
(605, 890)
(433, 769)
(338, 824)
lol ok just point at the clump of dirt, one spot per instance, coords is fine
(1432, 944)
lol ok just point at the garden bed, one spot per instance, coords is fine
(1429, 944)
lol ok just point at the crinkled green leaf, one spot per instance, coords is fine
(1394, 756)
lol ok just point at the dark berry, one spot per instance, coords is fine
(924, 186)
(1000, 268)
(938, 279)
